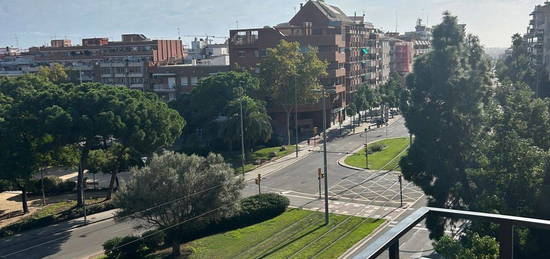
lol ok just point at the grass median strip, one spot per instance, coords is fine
(264, 154)
(289, 234)
(393, 148)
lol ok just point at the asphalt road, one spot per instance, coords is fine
(372, 194)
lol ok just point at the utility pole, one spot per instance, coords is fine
(258, 181)
(319, 177)
(325, 154)
(296, 115)
(366, 149)
(242, 136)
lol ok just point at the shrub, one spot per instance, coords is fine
(153, 239)
(272, 154)
(52, 185)
(127, 247)
(6, 185)
(376, 148)
(262, 206)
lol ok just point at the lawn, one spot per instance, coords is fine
(296, 233)
(379, 160)
(260, 154)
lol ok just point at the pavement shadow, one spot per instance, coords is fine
(38, 243)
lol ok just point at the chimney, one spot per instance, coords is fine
(301, 5)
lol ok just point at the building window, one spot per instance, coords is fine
(241, 53)
(184, 81)
(256, 53)
(263, 53)
(194, 80)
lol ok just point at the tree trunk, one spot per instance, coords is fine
(24, 199)
(111, 185)
(80, 179)
(175, 249)
(42, 188)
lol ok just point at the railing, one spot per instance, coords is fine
(390, 239)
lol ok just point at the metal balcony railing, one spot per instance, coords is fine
(390, 239)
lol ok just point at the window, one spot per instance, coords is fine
(184, 81)
(256, 53)
(241, 53)
(194, 80)
(263, 53)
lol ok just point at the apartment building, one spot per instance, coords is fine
(350, 45)
(124, 62)
(170, 81)
(538, 43)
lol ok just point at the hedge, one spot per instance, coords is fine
(253, 210)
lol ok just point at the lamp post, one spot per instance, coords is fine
(325, 153)
(242, 136)
(366, 148)
(296, 115)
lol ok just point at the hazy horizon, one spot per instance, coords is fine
(35, 22)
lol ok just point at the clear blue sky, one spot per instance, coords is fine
(35, 22)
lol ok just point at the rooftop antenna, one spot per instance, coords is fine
(179, 34)
(396, 21)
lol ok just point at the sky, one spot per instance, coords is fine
(26, 23)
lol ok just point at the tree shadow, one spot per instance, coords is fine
(291, 241)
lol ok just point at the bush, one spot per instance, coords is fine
(272, 154)
(261, 207)
(127, 247)
(52, 185)
(153, 239)
(6, 185)
(376, 148)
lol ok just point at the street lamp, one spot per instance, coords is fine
(242, 135)
(325, 152)
(296, 115)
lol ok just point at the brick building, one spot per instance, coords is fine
(351, 46)
(124, 62)
(172, 80)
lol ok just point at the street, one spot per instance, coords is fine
(372, 194)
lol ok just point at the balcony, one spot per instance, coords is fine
(390, 240)
(320, 40)
(162, 88)
(337, 72)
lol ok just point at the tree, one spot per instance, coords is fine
(207, 108)
(290, 74)
(256, 122)
(194, 190)
(137, 120)
(390, 93)
(470, 246)
(516, 158)
(112, 160)
(55, 73)
(517, 67)
(28, 117)
(447, 90)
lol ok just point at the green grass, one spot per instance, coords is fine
(260, 154)
(59, 207)
(296, 233)
(378, 160)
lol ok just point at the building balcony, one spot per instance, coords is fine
(337, 72)
(320, 40)
(333, 56)
(162, 88)
(390, 239)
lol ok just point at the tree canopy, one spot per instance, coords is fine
(447, 92)
(194, 191)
